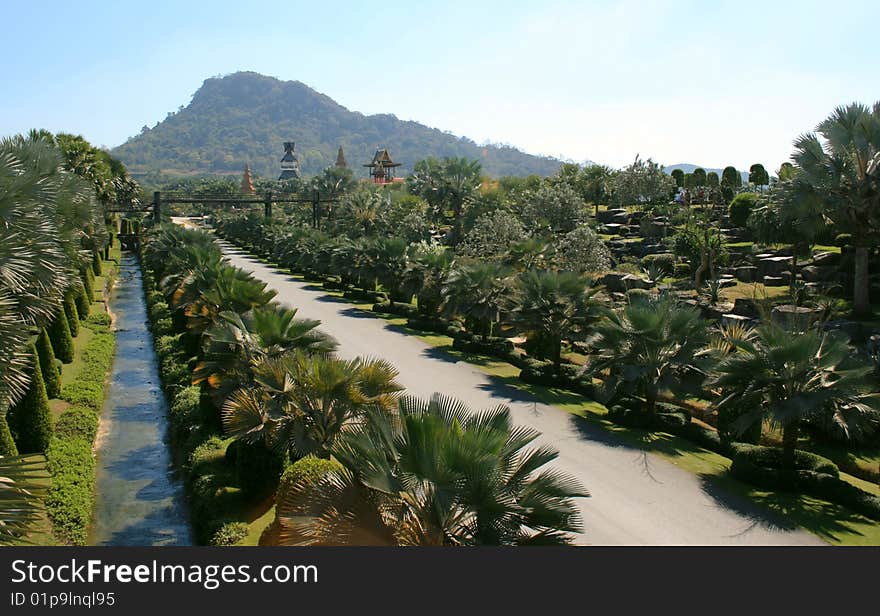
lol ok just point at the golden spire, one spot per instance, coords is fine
(247, 182)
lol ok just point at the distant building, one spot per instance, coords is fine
(382, 167)
(340, 159)
(247, 182)
(289, 164)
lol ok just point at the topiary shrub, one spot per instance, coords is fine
(229, 533)
(7, 443)
(30, 420)
(84, 393)
(49, 365)
(88, 281)
(183, 413)
(257, 467)
(71, 313)
(306, 471)
(741, 207)
(770, 459)
(83, 305)
(77, 422)
(59, 336)
(100, 319)
(96, 263)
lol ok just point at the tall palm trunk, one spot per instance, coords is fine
(789, 443)
(861, 289)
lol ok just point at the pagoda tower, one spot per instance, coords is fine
(247, 182)
(289, 164)
(340, 159)
(382, 167)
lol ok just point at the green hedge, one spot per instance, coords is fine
(7, 443)
(59, 336)
(30, 420)
(306, 470)
(83, 305)
(48, 365)
(88, 388)
(71, 313)
(229, 533)
(69, 499)
(99, 319)
(88, 281)
(77, 422)
(96, 263)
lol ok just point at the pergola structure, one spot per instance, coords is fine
(382, 167)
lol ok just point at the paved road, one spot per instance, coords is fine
(636, 499)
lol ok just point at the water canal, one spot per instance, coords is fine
(139, 498)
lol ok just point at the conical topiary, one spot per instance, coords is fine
(83, 305)
(70, 311)
(51, 376)
(7, 443)
(96, 263)
(88, 279)
(30, 421)
(59, 336)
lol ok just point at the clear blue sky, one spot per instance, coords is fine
(712, 83)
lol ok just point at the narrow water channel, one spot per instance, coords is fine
(139, 499)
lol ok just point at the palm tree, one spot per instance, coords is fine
(302, 403)
(551, 307)
(435, 473)
(475, 290)
(426, 270)
(649, 346)
(843, 172)
(22, 485)
(790, 377)
(448, 185)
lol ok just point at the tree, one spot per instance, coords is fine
(758, 176)
(448, 186)
(550, 307)
(555, 208)
(649, 346)
(582, 251)
(731, 181)
(426, 271)
(492, 236)
(30, 420)
(62, 341)
(475, 290)
(741, 207)
(786, 172)
(71, 313)
(843, 172)
(51, 375)
(434, 473)
(678, 176)
(641, 183)
(712, 180)
(301, 403)
(788, 378)
(699, 175)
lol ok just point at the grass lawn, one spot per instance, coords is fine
(754, 290)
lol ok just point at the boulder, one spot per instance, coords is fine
(814, 273)
(799, 316)
(631, 281)
(730, 319)
(608, 216)
(746, 307)
(613, 281)
(746, 273)
(773, 266)
(774, 281)
(826, 258)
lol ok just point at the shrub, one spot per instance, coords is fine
(96, 263)
(88, 280)
(7, 443)
(77, 422)
(71, 313)
(257, 467)
(229, 533)
(30, 420)
(741, 207)
(83, 304)
(770, 458)
(305, 471)
(664, 262)
(100, 319)
(636, 295)
(62, 341)
(69, 499)
(49, 365)
(84, 393)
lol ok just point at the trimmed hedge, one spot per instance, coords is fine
(257, 467)
(99, 319)
(30, 420)
(398, 308)
(88, 388)
(83, 305)
(71, 313)
(69, 499)
(77, 422)
(813, 475)
(96, 263)
(7, 443)
(62, 341)
(88, 282)
(307, 470)
(51, 374)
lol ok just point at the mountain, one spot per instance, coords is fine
(689, 168)
(246, 117)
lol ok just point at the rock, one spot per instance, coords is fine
(813, 273)
(613, 282)
(773, 266)
(727, 282)
(826, 258)
(746, 273)
(746, 307)
(613, 215)
(799, 316)
(631, 281)
(730, 319)
(774, 281)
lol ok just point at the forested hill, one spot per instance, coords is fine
(246, 117)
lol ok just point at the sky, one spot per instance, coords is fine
(710, 83)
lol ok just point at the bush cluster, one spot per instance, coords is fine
(69, 499)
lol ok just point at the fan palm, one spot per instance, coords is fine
(425, 272)
(475, 290)
(435, 473)
(843, 172)
(792, 377)
(649, 346)
(302, 403)
(550, 307)
(22, 484)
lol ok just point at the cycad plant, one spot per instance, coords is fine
(475, 290)
(434, 473)
(649, 346)
(791, 377)
(22, 486)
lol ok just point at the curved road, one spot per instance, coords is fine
(636, 499)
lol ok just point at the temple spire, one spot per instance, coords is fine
(247, 182)
(340, 159)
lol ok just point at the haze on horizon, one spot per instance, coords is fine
(679, 81)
